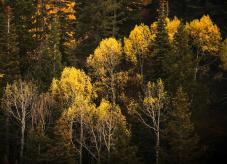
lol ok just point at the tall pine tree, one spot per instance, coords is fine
(9, 51)
(182, 138)
(161, 45)
(96, 20)
(47, 58)
(23, 11)
(10, 68)
(180, 64)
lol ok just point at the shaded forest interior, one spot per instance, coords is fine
(113, 81)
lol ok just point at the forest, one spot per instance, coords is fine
(113, 81)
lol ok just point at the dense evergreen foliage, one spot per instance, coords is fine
(112, 81)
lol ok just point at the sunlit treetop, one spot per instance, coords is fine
(107, 113)
(171, 27)
(106, 56)
(73, 84)
(64, 6)
(155, 93)
(138, 42)
(78, 107)
(104, 107)
(205, 35)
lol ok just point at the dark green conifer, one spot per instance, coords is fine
(9, 51)
(96, 20)
(48, 63)
(161, 45)
(182, 138)
(180, 64)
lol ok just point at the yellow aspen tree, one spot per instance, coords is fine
(137, 45)
(107, 56)
(111, 126)
(73, 82)
(78, 114)
(18, 100)
(172, 26)
(151, 112)
(205, 36)
(76, 91)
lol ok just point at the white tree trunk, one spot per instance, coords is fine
(197, 65)
(157, 147)
(22, 136)
(81, 138)
(113, 89)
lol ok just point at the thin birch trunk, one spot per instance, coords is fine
(157, 146)
(113, 89)
(81, 138)
(197, 65)
(22, 136)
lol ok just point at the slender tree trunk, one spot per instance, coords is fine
(157, 133)
(113, 89)
(8, 23)
(109, 137)
(54, 69)
(81, 139)
(108, 146)
(157, 146)
(141, 63)
(7, 138)
(22, 136)
(99, 158)
(197, 65)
